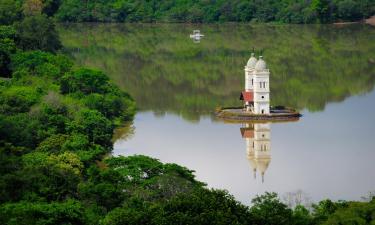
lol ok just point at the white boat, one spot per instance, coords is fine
(196, 34)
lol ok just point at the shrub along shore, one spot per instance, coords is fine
(56, 125)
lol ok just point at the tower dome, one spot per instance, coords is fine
(261, 64)
(251, 62)
(263, 165)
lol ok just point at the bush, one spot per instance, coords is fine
(38, 63)
(85, 81)
(93, 124)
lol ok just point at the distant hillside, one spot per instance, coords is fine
(206, 11)
(192, 11)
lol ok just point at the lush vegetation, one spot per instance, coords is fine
(56, 125)
(198, 11)
(194, 11)
(166, 72)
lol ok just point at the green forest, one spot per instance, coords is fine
(197, 11)
(56, 126)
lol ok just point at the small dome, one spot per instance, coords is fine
(252, 162)
(251, 62)
(262, 164)
(261, 64)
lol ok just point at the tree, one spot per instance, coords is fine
(18, 99)
(325, 208)
(322, 9)
(50, 177)
(7, 48)
(37, 33)
(39, 63)
(358, 213)
(267, 209)
(53, 144)
(10, 11)
(32, 7)
(85, 81)
(93, 124)
(27, 213)
(348, 10)
(201, 206)
(302, 216)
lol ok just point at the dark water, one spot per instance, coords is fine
(327, 72)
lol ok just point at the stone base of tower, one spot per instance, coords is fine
(240, 114)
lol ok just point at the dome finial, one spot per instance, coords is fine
(261, 64)
(251, 62)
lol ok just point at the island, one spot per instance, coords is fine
(256, 97)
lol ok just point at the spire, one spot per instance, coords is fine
(262, 177)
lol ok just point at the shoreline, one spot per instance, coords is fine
(369, 21)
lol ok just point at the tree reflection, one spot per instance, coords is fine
(166, 72)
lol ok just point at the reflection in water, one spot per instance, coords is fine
(258, 146)
(196, 36)
(311, 65)
(327, 154)
(175, 81)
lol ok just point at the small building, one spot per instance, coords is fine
(256, 96)
(258, 146)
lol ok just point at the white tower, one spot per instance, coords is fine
(258, 146)
(247, 95)
(261, 84)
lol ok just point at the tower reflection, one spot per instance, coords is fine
(258, 146)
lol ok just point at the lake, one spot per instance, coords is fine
(325, 71)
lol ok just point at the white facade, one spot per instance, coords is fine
(258, 148)
(257, 81)
(249, 79)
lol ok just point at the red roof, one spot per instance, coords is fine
(247, 132)
(247, 96)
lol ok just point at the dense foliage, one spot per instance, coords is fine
(194, 11)
(56, 125)
(197, 11)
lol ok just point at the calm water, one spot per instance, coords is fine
(327, 72)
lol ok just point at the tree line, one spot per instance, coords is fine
(195, 11)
